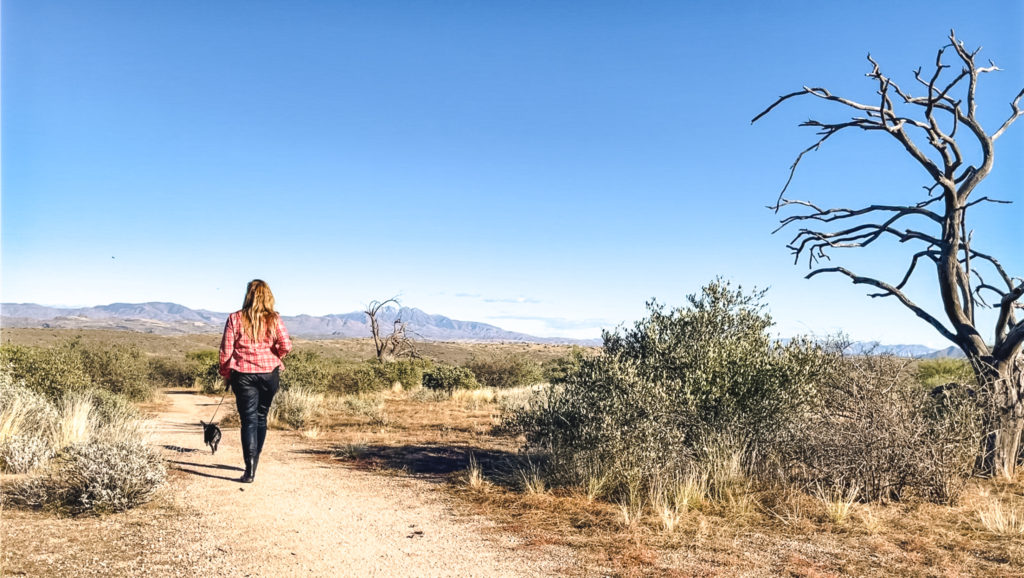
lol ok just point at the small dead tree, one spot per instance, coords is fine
(397, 343)
(943, 114)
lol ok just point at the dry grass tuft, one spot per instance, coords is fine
(474, 474)
(871, 522)
(596, 484)
(532, 481)
(352, 450)
(1001, 519)
(837, 501)
(631, 505)
(296, 408)
(76, 422)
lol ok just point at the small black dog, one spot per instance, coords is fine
(211, 435)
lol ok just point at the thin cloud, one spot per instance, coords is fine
(560, 323)
(530, 300)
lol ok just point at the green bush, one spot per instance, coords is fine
(71, 366)
(307, 370)
(373, 376)
(663, 392)
(119, 369)
(936, 372)
(408, 372)
(170, 372)
(555, 371)
(204, 367)
(94, 477)
(506, 372)
(448, 378)
(51, 371)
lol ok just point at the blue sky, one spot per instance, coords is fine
(543, 166)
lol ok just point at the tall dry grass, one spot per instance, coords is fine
(81, 420)
(837, 502)
(1000, 518)
(296, 408)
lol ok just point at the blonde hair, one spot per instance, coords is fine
(258, 315)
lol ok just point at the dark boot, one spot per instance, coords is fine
(255, 462)
(250, 471)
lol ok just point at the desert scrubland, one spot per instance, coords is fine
(690, 444)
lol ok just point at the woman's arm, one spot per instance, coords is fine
(283, 341)
(227, 346)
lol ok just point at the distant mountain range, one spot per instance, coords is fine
(919, 351)
(174, 319)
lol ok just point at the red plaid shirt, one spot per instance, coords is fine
(244, 355)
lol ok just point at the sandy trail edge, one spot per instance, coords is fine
(308, 516)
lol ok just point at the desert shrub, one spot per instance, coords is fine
(51, 371)
(408, 372)
(448, 378)
(663, 392)
(23, 453)
(120, 369)
(373, 376)
(204, 367)
(872, 429)
(307, 370)
(936, 372)
(505, 371)
(295, 407)
(359, 379)
(170, 372)
(94, 477)
(558, 369)
(73, 366)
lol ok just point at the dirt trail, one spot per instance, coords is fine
(306, 515)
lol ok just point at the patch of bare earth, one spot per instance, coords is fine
(304, 515)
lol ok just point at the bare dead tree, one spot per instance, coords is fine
(397, 343)
(943, 115)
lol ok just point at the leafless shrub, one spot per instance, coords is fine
(875, 428)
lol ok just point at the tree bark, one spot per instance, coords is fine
(1003, 384)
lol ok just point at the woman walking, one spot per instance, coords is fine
(254, 342)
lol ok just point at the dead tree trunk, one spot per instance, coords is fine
(1003, 385)
(397, 343)
(379, 343)
(958, 157)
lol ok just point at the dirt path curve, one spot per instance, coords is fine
(307, 516)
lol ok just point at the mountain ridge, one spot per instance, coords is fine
(171, 318)
(167, 318)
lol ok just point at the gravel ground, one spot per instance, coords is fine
(304, 516)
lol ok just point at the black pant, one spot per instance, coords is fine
(253, 394)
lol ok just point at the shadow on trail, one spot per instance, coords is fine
(178, 466)
(206, 475)
(179, 449)
(211, 466)
(428, 461)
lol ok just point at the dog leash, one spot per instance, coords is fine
(219, 404)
